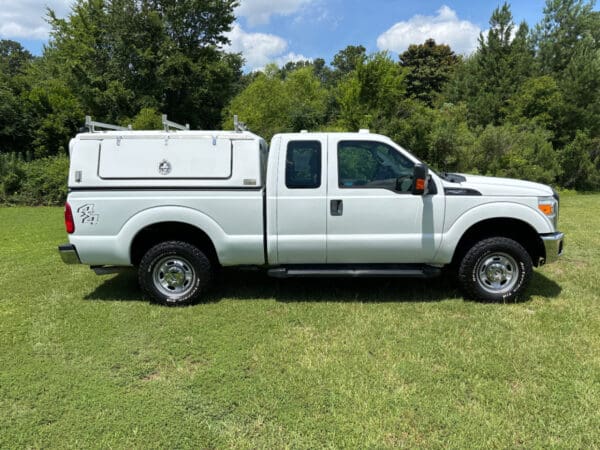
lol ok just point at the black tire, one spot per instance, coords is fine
(495, 269)
(174, 273)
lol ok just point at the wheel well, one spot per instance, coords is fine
(171, 231)
(514, 229)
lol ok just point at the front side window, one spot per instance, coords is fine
(303, 165)
(371, 165)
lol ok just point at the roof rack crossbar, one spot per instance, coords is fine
(167, 124)
(92, 125)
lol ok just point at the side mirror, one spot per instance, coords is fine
(420, 174)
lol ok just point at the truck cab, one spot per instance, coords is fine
(177, 205)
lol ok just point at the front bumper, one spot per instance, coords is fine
(553, 244)
(68, 254)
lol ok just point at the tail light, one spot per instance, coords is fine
(69, 222)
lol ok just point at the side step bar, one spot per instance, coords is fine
(343, 271)
(108, 270)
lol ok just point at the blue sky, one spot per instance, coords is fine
(283, 30)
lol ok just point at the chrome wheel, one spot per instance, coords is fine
(174, 276)
(497, 273)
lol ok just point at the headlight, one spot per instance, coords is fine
(549, 207)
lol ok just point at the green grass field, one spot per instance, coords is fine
(85, 361)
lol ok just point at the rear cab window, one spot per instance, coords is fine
(303, 165)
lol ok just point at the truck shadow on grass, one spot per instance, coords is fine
(243, 285)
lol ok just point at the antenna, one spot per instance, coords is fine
(91, 125)
(168, 125)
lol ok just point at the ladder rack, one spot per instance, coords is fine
(239, 126)
(167, 124)
(91, 125)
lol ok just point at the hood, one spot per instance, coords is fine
(493, 186)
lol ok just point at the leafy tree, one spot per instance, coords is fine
(120, 56)
(564, 24)
(290, 66)
(501, 65)
(370, 95)
(56, 117)
(270, 105)
(580, 161)
(14, 123)
(13, 58)
(147, 119)
(581, 89)
(516, 152)
(450, 140)
(539, 100)
(347, 60)
(430, 67)
(441, 137)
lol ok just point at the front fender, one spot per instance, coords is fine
(494, 210)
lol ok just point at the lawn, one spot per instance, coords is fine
(85, 361)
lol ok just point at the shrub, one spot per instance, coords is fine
(516, 152)
(40, 182)
(581, 163)
(45, 181)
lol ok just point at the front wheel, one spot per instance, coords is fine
(495, 269)
(174, 273)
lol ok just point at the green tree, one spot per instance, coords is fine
(430, 67)
(516, 152)
(146, 119)
(14, 58)
(371, 94)
(539, 100)
(580, 85)
(56, 117)
(270, 104)
(14, 119)
(564, 24)
(120, 56)
(347, 60)
(500, 66)
(580, 161)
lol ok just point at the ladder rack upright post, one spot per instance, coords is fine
(168, 124)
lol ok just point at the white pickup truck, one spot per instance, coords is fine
(180, 204)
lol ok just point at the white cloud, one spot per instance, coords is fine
(259, 12)
(25, 19)
(445, 28)
(258, 49)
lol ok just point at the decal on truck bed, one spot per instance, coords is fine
(87, 214)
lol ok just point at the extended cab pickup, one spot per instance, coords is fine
(179, 204)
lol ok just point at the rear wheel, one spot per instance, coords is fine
(174, 273)
(495, 269)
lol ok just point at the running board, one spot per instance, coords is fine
(373, 271)
(108, 270)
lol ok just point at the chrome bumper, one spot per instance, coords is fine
(553, 244)
(68, 254)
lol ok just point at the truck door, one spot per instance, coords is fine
(302, 200)
(372, 216)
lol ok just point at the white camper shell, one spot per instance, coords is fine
(167, 159)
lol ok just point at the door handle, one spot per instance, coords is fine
(337, 207)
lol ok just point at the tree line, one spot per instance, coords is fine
(525, 104)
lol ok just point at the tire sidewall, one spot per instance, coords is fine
(481, 251)
(196, 258)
